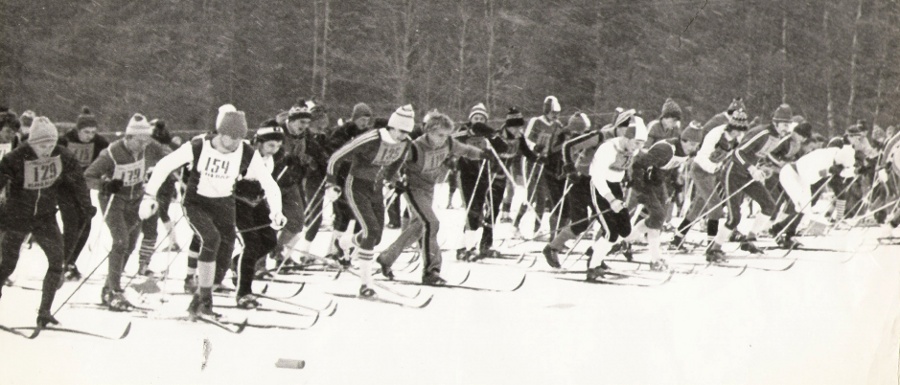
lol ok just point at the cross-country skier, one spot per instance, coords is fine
(723, 117)
(33, 177)
(512, 134)
(252, 217)
(607, 170)
(84, 142)
(668, 126)
(218, 161)
(540, 134)
(118, 174)
(375, 158)
(426, 165)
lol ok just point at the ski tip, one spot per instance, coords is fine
(242, 326)
(37, 331)
(336, 276)
(299, 289)
(126, 332)
(521, 257)
(521, 283)
(786, 268)
(333, 309)
(314, 321)
(265, 289)
(466, 278)
(743, 270)
(427, 302)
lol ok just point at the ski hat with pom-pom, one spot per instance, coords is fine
(42, 131)
(269, 130)
(578, 122)
(670, 109)
(804, 129)
(623, 119)
(736, 104)
(85, 119)
(138, 125)
(551, 104)
(222, 110)
(403, 119)
(637, 130)
(514, 118)
(299, 111)
(26, 118)
(233, 124)
(783, 113)
(360, 110)
(738, 121)
(479, 109)
(692, 133)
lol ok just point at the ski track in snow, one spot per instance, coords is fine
(821, 322)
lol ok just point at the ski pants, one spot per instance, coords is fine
(124, 227)
(735, 177)
(212, 220)
(423, 227)
(76, 229)
(47, 235)
(314, 190)
(257, 242)
(616, 224)
(476, 191)
(366, 200)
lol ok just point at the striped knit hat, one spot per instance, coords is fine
(403, 119)
(479, 109)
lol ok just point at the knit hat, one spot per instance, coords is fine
(222, 110)
(138, 125)
(551, 104)
(692, 133)
(637, 129)
(299, 112)
(403, 119)
(736, 104)
(578, 122)
(380, 123)
(804, 129)
(42, 131)
(160, 134)
(624, 118)
(479, 109)
(269, 130)
(85, 119)
(854, 130)
(836, 142)
(514, 118)
(670, 109)
(26, 118)
(233, 124)
(783, 113)
(738, 121)
(360, 110)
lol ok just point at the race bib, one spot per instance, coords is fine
(388, 153)
(83, 152)
(435, 159)
(130, 174)
(543, 139)
(622, 162)
(5, 148)
(42, 173)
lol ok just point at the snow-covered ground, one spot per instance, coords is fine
(820, 322)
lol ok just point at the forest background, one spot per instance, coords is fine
(833, 61)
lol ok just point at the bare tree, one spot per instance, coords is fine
(829, 87)
(490, 21)
(464, 17)
(854, 48)
(315, 58)
(325, 29)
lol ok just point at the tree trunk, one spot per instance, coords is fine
(324, 71)
(784, 59)
(315, 58)
(829, 97)
(854, 47)
(489, 89)
(461, 67)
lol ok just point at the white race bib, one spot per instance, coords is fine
(218, 171)
(388, 153)
(435, 159)
(130, 174)
(84, 152)
(42, 173)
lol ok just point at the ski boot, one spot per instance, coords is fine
(659, 265)
(597, 271)
(787, 242)
(714, 254)
(201, 306)
(72, 273)
(624, 248)
(463, 254)
(221, 289)
(44, 318)
(748, 246)
(552, 257)
(505, 218)
(248, 302)
(484, 254)
(118, 303)
(366, 291)
(433, 279)
(677, 245)
(172, 248)
(190, 284)
(105, 295)
(386, 270)
(144, 270)
(737, 237)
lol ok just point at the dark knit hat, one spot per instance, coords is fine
(514, 118)
(804, 129)
(269, 130)
(360, 110)
(9, 118)
(692, 133)
(160, 133)
(736, 104)
(300, 111)
(85, 119)
(380, 123)
(578, 122)
(551, 104)
(233, 124)
(854, 130)
(670, 109)
(783, 113)
(738, 121)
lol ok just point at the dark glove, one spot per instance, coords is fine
(569, 170)
(89, 212)
(400, 187)
(487, 155)
(112, 186)
(538, 149)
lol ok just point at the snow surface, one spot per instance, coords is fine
(821, 322)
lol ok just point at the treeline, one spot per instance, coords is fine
(833, 61)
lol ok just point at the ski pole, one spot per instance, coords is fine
(800, 211)
(706, 204)
(472, 198)
(155, 249)
(717, 205)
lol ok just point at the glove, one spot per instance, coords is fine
(757, 174)
(616, 205)
(882, 176)
(486, 155)
(332, 193)
(89, 212)
(538, 149)
(112, 186)
(278, 220)
(400, 187)
(148, 207)
(569, 169)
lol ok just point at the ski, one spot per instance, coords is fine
(37, 330)
(378, 299)
(461, 285)
(18, 333)
(270, 310)
(229, 326)
(331, 304)
(622, 280)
